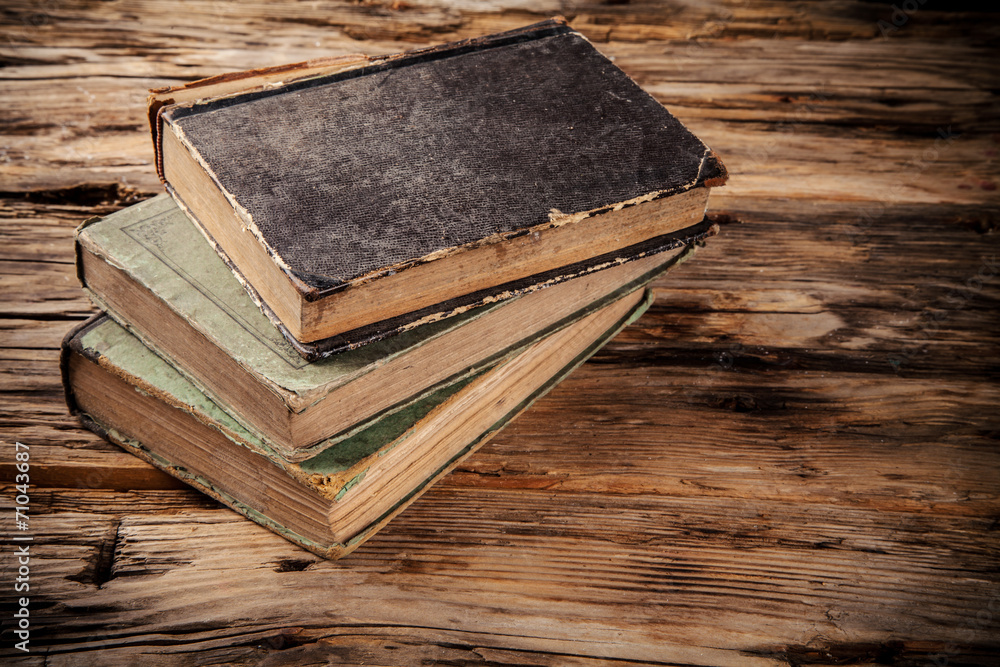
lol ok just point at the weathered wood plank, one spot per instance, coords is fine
(422, 20)
(919, 445)
(32, 334)
(613, 565)
(295, 647)
(42, 289)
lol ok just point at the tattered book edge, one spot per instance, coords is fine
(332, 550)
(370, 333)
(711, 172)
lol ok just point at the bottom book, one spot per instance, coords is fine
(333, 502)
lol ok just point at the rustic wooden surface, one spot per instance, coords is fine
(792, 459)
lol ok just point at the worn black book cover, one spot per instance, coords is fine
(358, 175)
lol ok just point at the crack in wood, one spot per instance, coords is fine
(83, 194)
(99, 570)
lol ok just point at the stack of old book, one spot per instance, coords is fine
(366, 267)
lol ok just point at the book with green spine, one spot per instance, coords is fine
(332, 502)
(152, 271)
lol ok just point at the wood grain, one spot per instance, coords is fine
(791, 459)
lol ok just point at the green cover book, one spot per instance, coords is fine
(332, 502)
(150, 269)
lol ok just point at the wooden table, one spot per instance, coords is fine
(792, 459)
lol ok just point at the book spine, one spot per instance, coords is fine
(71, 345)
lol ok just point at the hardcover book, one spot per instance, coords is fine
(154, 273)
(372, 195)
(332, 502)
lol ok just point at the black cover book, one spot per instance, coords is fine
(405, 188)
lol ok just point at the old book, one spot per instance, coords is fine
(395, 190)
(335, 500)
(153, 272)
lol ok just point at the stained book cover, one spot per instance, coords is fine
(154, 273)
(351, 177)
(333, 502)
